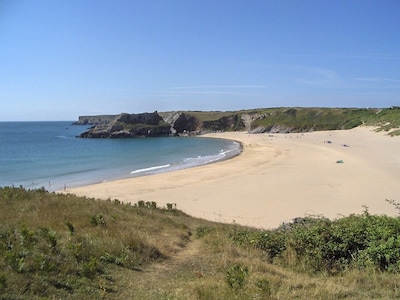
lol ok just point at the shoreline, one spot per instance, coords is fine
(169, 167)
(277, 177)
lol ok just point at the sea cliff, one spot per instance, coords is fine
(126, 126)
(272, 120)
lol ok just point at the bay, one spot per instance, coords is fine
(48, 154)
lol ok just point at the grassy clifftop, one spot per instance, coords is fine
(296, 119)
(65, 247)
(261, 120)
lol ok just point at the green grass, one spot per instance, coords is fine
(56, 246)
(395, 132)
(306, 119)
(299, 119)
(63, 245)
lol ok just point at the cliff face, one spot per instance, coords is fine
(129, 125)
(191, 123)
(95, 120)
(182, 123)
(274, 120)
(152, 124)
(234, 122)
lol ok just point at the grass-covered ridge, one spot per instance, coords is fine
(56, 246)
(297, 119)
(281, 119)
(315, 119)
(306, 119)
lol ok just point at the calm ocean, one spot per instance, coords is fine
(48, 154)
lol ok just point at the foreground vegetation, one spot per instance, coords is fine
(61, 246)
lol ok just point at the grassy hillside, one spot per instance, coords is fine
(65, 247)
(299, 119)
(305, 119)
(282, 119)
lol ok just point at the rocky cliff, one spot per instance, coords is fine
(129, 125)
(152, 124)
(201, 122)
(274, 120)
(95, 120)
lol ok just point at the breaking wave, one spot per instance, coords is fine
(190, 162)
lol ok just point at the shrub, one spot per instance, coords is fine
(71, 228)
(236, 276)
(91, 268)
(316, 244)
(273, 242)
(169, 206)
(151, 205)
(3, 283)
(203, 231)
(264, 286)
(97, 220)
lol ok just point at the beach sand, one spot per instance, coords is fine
(276, 178)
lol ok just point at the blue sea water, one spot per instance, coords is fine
(48, 154)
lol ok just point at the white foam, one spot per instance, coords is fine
(150, 169)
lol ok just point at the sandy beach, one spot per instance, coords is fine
(276, 178)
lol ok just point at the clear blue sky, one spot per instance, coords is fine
(62, 59)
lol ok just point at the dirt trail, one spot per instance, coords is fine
(159, 277)
(180, 260)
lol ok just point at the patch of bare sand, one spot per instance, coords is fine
(277, 178)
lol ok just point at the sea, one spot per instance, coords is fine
(50, 155)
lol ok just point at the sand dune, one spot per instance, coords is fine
(277, 178)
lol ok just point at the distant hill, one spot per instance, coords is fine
(273, 120)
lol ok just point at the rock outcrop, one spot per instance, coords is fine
(130, 125)
(95, 120)
(186, 124)
(272, 129)
(189, 123)
(226, 123)
(152, 124)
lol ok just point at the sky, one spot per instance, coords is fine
(63, 59)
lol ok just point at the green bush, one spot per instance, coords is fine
(71, 228)
(91, 268)
(97, 220)
(316, 244)
(236, 276)
(264, 286)
(3, 283)
(203, 231)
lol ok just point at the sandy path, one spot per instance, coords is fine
(277, 178)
